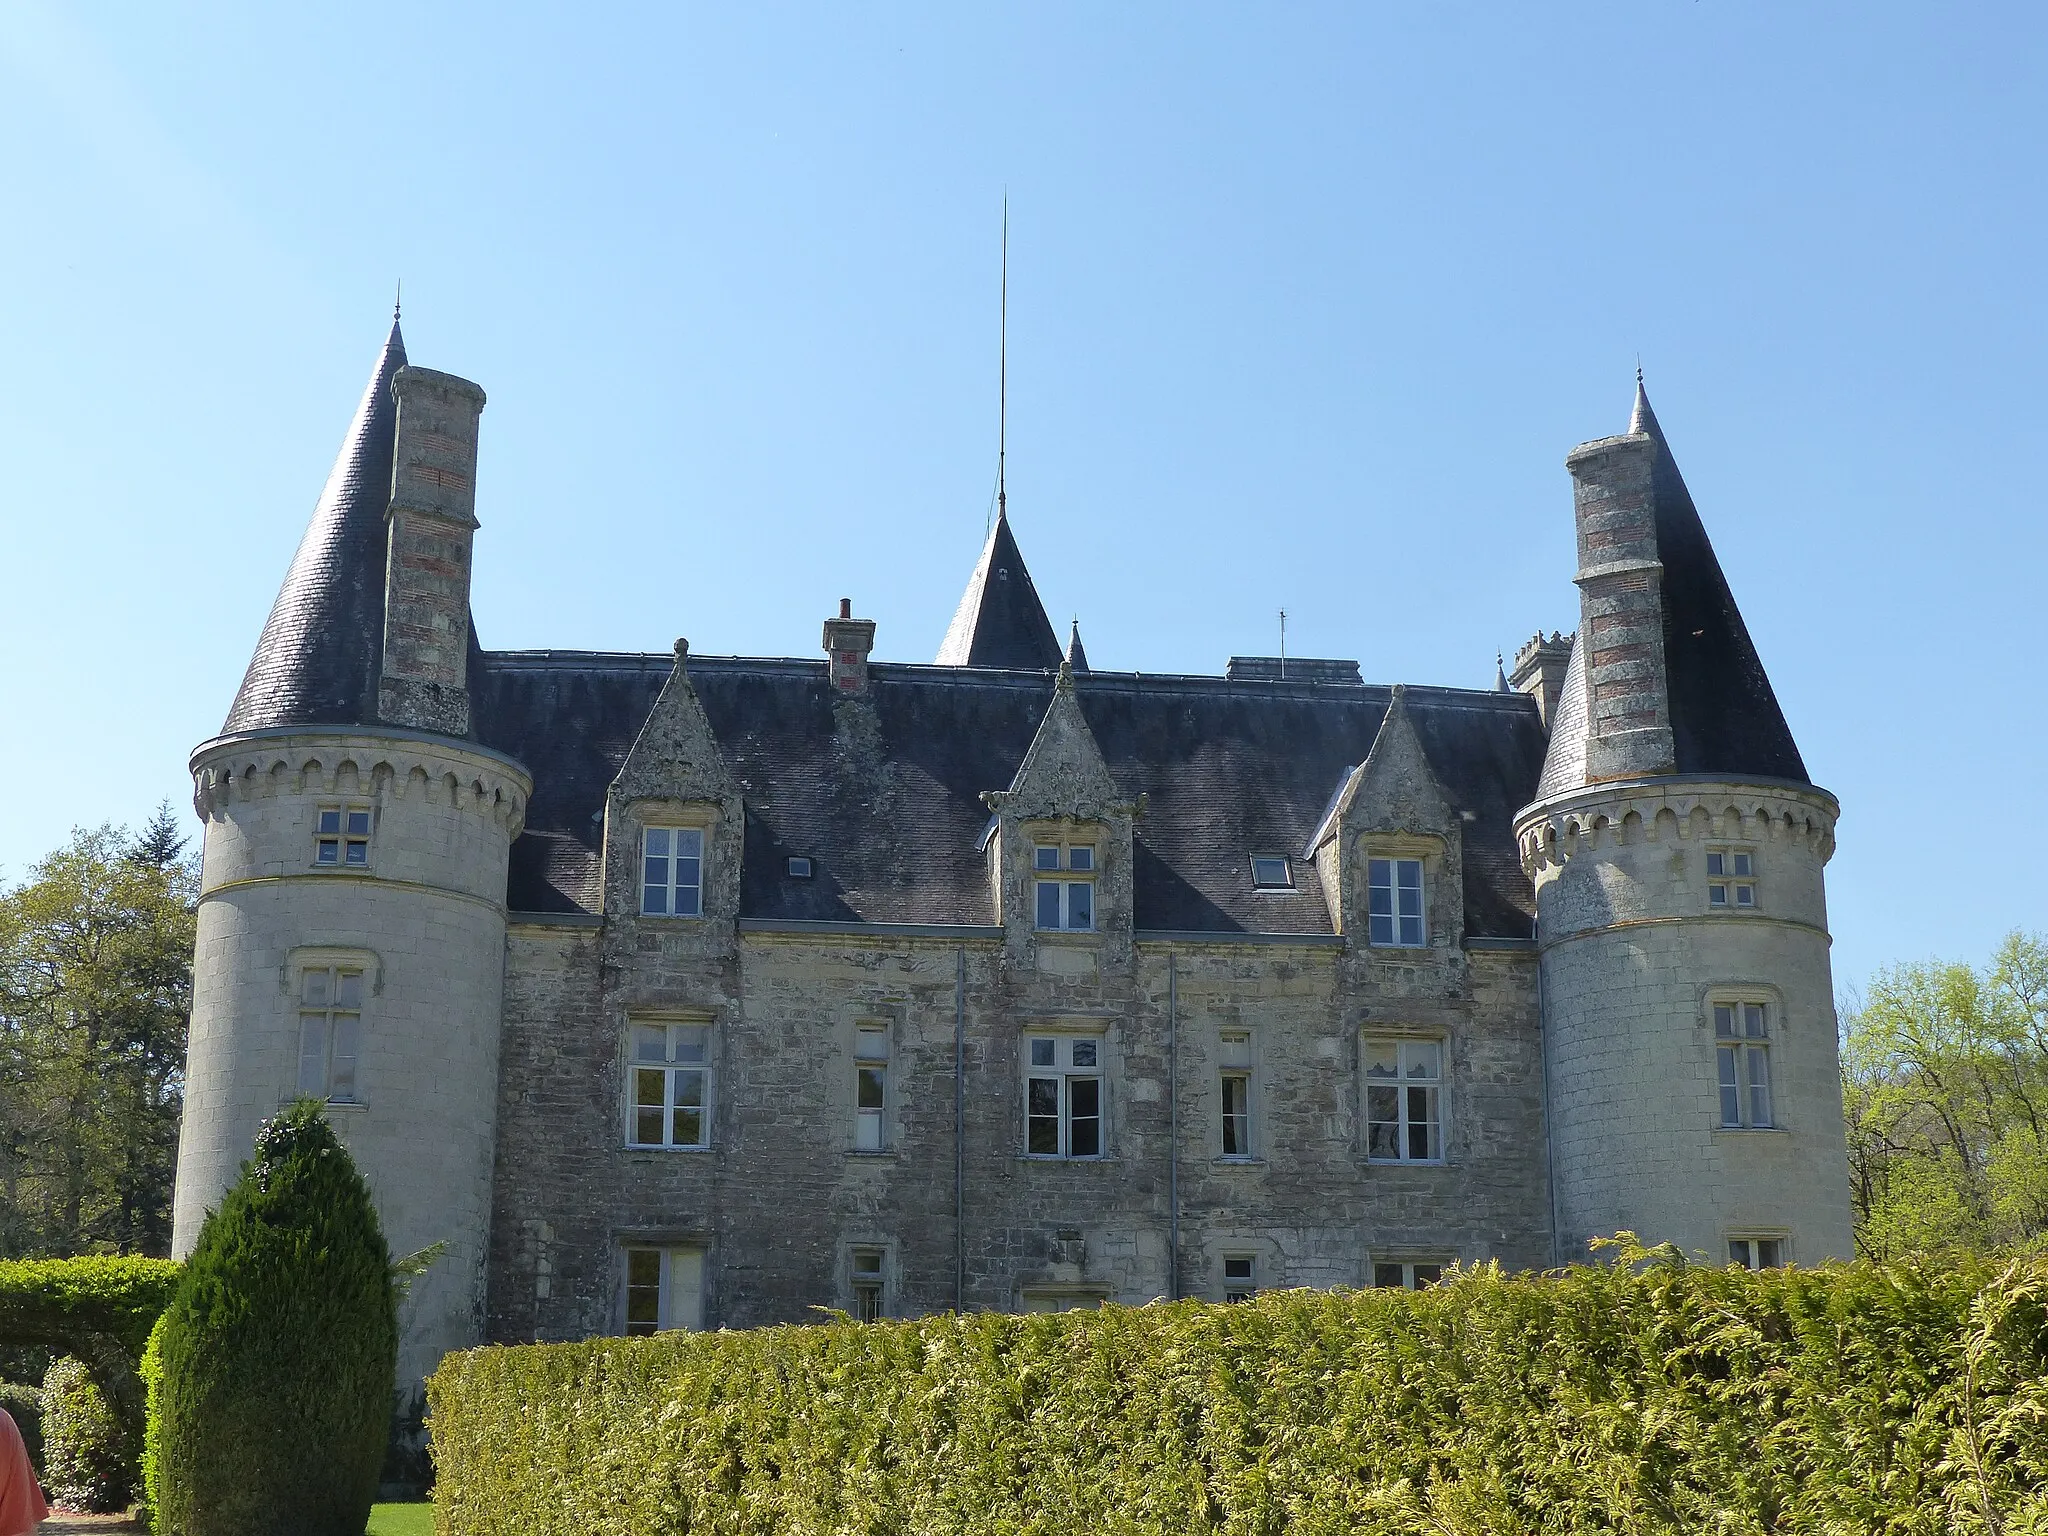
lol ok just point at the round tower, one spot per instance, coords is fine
(1677, 849)
(351, 932)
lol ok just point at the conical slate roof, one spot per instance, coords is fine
(1000, 621)
(1077, 654)
(1725, 717)
(322, 646)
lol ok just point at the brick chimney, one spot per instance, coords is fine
(1621, 608)
(847, 643)
(425, 679)
(1539, 671)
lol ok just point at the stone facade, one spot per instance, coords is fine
(709, 992)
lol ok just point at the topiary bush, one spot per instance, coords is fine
(87, 1462)
(275, 1364)
(25, 1403)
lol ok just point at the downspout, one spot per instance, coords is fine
(960, 1130)
(1543, 1055)
(1172, 1126)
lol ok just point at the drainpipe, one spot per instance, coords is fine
(1549, 1136)
(1172, 1126)
(960, 1130)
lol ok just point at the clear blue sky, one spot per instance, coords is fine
(1307, 304)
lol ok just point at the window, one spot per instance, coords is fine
(1234, 1051)
(869, 1288)
(1404, 1103)
(1066, 885)
(330, 1030)
(1061, 1299)
(1063, 1096)
(1756, 1252)
(1731, 877)
(664, 1289)
(870, 1087)
(1272, 872)
(1240, 1277)
(344, 838)
(799, 868)
(1394, 902)
(671, 1081)
(1407, 1277)
(672, 874)
(1741, 1045)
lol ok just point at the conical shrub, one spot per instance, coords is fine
(275, 1362)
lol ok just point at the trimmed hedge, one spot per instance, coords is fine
(87, 1463)
(99, 1309)
(1658, 1397)
(271, 1376)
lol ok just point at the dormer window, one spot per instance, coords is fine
(1065, 886)
(343, 841)
(672, 871)
(1272, 872)
(1731, 877)
(1394, 903)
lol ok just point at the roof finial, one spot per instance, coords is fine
(1003, 368)
(1500, 674)
(397, 301)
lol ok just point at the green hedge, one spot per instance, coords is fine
(1655, 1397)
(87, 1463)
(25, 1403)
(99, 1309)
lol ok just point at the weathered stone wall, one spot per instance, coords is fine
(424, 921)
(781, 1196)
(1633, 956)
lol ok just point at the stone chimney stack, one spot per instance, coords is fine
(1539, 671)
(847, 643)
(425, 681)
(1621, 608)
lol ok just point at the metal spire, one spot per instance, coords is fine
(1003, 370)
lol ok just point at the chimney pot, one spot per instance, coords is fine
(846, 607)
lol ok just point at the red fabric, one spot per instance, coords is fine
(21, 1501)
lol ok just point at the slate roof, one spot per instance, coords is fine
(322, 646)
(894, 829)
(1725, 717)
(1000, 621)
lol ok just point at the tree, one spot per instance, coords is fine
(95, 997)
(1945, 1086)
(274, 1364)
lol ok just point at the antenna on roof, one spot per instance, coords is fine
(1003, 368)
(397, 300)
(1283, 645)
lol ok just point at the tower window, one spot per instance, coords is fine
(1756, 1252)
(669, 1079)
(672, 872)
(1063, 1096)
(1272, 872)
(1065, 886)
(870, 1087)
(1240, 1277)
(1731, 877)
(1743, 1057)
(1394, 903)
(330, 1032)
(870, 1287)
(1404, 1101)
(664, 1289)
(343, 841)
(1234, 1050)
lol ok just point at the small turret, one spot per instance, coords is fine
(1000, 621)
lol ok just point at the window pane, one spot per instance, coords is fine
(689, 842)
(1382, 1058)
(689, 900)
(871, 1044)
(359, 823)
(1745, 895)
(689, 1128)
(1042, 1104)
(1408, 875)
(341, 1055)
(1045, 856)
(690, 1041)
(1080, 858)
(867, 1130)
(1731, 1098)
(1423, 1058)
(330, 821)
(330, 851)
(1379, 900)
(869, 1088)
(1428, 1274)
(650, 1042)
(1387, 1275)
(1085, 1130)
(1081, 906)
(1269, 872)
(1717, 864)
(1380, 872)
(1043, 1097)
(657, 842)
(314, 988)
(348, 990)
(1235, 1049)
(867, 1303)
(1724, 1020)
(1411, 932)
(1767, 1255)
(358, 853)
(1237, 1269)
(1042, 1052)
(867, 1263)
(1717, 895)
(690, 1089)
(1759, 1086)
(1738, 1251)
(313, 1054)
(1742, 864)
(1048, 904)
(1084, 1052)
(1753, 1020)
(654, 897)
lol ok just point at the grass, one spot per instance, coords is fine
(401, 1520)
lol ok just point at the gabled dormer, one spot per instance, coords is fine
(1390, 850)
(1059, 849)
(673, 821)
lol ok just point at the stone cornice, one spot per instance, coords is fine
(309, 760)
(1683, 806)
